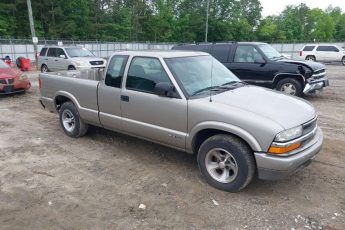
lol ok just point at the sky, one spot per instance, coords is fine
(271, 7)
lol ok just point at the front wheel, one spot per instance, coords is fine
(226, 162)
(343, 60)
(71, 68)
(290, 86)
(310, 58)
(70, 120)
(44, 68)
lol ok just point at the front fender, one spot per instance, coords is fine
(247, 137)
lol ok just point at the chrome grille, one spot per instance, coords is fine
(96, 62)
(309, 126)
(320, 71)
(10, 81)
(319, 74)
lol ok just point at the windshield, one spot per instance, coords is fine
(3, 64)
(79, 52)
(194, 73)
(270, 52)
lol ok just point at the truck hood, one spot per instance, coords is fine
(286, 110)
(9, 73)
(315, 66)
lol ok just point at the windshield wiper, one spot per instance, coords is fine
(277, 57)
(213, 88)
(230, 83)
(234, 83)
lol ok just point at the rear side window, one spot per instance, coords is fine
(327, 49)
(43, 52)
(221, 52)
(115, 71)
(51, 52)
(308, 48)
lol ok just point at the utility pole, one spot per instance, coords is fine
(207, 12)
(33, 33)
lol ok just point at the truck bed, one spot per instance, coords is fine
(80, 86)
(88, 74)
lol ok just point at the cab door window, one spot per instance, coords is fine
(144, 73)
(60, 52)
(247, 54)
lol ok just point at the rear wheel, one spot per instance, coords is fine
(71, 67)
(44, 68)
(290, 86)
(343, 60)
(70, 120)
(310, 58)
(226, 162)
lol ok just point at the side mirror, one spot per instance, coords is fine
(164, 89)
(259, 61)
(62, 56)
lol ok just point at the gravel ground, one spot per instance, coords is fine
(51, 181)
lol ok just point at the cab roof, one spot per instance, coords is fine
(162, 53)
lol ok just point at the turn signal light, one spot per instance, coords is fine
(282, 150)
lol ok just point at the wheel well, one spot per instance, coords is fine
(71, 66)
(204, 134)
(299, 78)
(59, 100)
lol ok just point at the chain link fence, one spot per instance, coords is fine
(15, 48)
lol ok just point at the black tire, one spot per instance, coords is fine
(290, 86)
(79, 127)
(310, 58)
(71, 67)
(243, 158)
(343, 60)
(44, 68)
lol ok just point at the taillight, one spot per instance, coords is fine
(39, 83)
(300, 53)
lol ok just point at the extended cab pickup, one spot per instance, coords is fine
(191, 102)
(260, 64)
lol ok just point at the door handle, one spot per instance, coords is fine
(46, 59)
(124, 98)
(56, 60)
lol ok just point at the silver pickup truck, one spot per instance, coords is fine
(189, 101)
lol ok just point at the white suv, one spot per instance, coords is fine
(323, 53)
(58, 58)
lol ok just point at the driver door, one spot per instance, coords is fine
(147, 115)
(250, 66)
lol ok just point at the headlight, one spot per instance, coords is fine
(81, 63)
(289, 134)
(22, 77)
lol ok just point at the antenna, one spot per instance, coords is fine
(211, 79)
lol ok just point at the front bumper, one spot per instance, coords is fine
(278, 167)
(312, 86)
(14, 88)
(90, 67)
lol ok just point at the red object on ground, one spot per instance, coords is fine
(25, 64)
(12, 80)
(8, 62)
